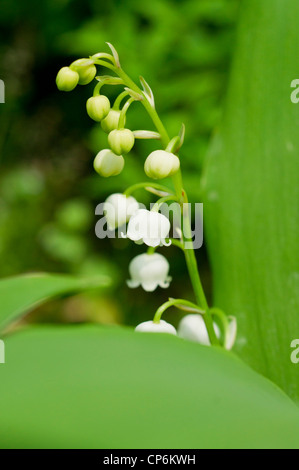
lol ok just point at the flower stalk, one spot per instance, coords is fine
(173, 303)
(182, 196)
(159, 164)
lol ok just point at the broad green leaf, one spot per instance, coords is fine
(20, 294)
(93, 387)
(251, 190)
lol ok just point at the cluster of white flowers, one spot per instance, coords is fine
(150, 227)
(148, 270)
(192, 328)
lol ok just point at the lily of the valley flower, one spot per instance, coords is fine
(161, 164)
(111, 121)
(151, 327)
(121, 140)
(86, 70)
(108, 164)
(193, 328)
(149, 227)
(118, 209)
(98, 107)
(67, 79)
(149, 271)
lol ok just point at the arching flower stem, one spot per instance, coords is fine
(181, 195)
(173, 303)
(118, 100)
(122, 118)
(145, 185)
(162, 200)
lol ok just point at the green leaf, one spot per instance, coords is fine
(252, 192)
(93, 387)
(22, 293)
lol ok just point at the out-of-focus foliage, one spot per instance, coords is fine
(48, 189)
(19, 294)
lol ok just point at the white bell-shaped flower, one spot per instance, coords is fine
(149, 271)
(193, 328)
(151, 327)
(118, 208)
(149, 227)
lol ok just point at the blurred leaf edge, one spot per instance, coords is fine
(20, 294)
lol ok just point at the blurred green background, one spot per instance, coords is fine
(48, 189)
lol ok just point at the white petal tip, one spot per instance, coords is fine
(132, 284)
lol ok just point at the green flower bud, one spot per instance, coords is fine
(121, 140)
(86, 70)
(160, 164)
(107, 163)
(98, 107)
(67, 79)
(111, 121)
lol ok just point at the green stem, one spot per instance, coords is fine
(161, 201)
(194, 275)
(119, 99)
(107, 80)
(176, 242)
(122, 117)
(173, 303)
(106, 64)
(146, 184)
(103, 55)
(224, 321)
(178, 184)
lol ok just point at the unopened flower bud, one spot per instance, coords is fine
(151, 327)
(67, 79)
(107, 163)
(161, 164)
(121, 140)
(98, 107)
(111, 121)
(86, 70)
